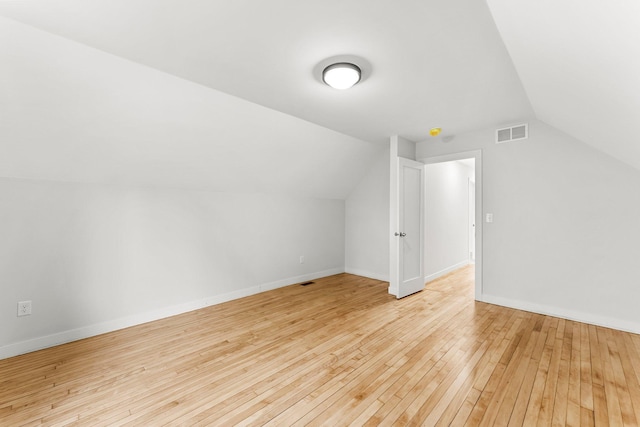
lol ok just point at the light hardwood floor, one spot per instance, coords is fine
(338, 352)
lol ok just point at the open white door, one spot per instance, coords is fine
(409, 241)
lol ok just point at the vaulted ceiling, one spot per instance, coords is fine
(226, 94)
(579, 62)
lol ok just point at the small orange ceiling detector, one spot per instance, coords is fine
(435, 131)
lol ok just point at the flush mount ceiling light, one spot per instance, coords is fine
(341, 75)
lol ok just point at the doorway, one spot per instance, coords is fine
(452, 215)
(472, 219)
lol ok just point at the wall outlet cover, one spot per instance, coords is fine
(24, 308)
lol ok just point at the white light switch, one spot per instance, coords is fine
(489, 217)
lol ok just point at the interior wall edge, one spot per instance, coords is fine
(434, 276)
(47, 341)
(369, 274)
(577, 316)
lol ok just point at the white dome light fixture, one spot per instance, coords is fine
(341, 75)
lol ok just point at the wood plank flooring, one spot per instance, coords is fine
(338, 352)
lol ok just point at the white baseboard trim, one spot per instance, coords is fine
(369, 274)
(578, 316)
(64, 337)
(434, 276)
(297, 279)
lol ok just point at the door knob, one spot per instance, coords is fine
(400, 234)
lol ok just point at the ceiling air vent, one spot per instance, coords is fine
(513, 133)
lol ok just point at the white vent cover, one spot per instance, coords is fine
(513, 133)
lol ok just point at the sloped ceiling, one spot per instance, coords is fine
(428, 62)
(214, 94)
(579, 62)
(227, 95)
(73, 113)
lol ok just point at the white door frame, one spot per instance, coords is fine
(477, 155)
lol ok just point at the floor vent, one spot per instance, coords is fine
(513, 133)
(306, 283)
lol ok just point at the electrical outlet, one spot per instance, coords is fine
(24, 308)
(301, 259)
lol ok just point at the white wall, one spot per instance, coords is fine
(565, 231)
(94, 258)
(446, 218)
(367, 223)
(119, 247)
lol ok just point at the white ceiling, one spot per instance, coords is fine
(579, 62)
(73, 113)
(430, 62)
(226, 95)
(469, 163)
